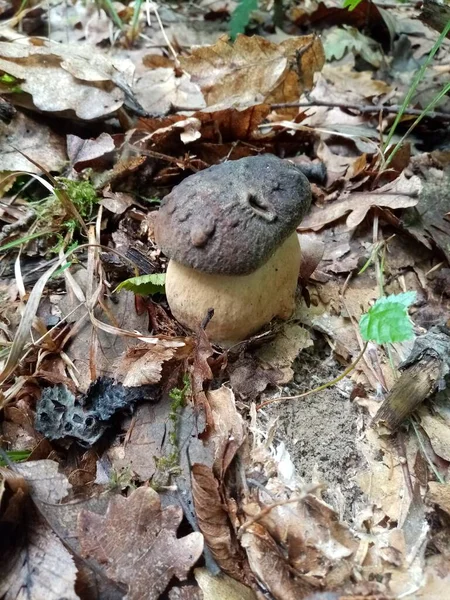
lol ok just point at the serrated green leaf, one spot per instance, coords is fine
(241, 16)
(144, 285)
(388, 321)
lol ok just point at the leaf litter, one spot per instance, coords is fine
(289, 500)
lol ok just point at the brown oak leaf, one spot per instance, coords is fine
(136, 542)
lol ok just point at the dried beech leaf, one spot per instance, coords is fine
(402, 193)
(64, 77)
(137, 544)
(254, 70)
(214, 522)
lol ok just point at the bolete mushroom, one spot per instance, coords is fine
(229, 232)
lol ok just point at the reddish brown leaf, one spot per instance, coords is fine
(213, 521)
(136, 542)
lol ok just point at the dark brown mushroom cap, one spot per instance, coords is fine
(229, 219)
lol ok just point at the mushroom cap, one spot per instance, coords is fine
(230, 218)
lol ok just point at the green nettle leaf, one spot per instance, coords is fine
(388, 320)
(144, 285)
(241, 16)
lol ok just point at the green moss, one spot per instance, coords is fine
(168, 466)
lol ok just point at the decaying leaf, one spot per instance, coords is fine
(85, 153)
(228, 429)
(254, 70)
(137, 545)
(284, 349)
(34, 139)
(42, 570)
(161, 89)
(44, 480)
(214, 522)
(143, 364)
(270, 566)
(61, 77)
(402, 193)
(439, 493)
(222, 587)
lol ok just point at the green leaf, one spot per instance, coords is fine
(341, 40)
(388, 320)
(144, 285)
(241, 16)
(351, 4)
(15, 456)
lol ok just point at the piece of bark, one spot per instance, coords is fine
(436, 14)
(423, 374)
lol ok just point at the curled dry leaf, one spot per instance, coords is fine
(227, 433)
(254, 70)
(64, 77)
(270, 566)
(402, 193)
(137, 544)
(85, 153)
(214, 522)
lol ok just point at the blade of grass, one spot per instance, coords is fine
(414, 85)
(23, 331)
(425, 111)
(23, 240)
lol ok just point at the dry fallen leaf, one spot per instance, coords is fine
(84, 153)
(44, 480)
(402, 193)
(214, 522)
(42, 570)
(159, 90)
(253, 70)
(228, 432)
(62, 77)
(270, 566)
(34, 139)
(137, 545)
(281, 352)
(143, 365)
(440, 494)
(221, 587)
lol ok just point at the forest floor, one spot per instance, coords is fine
(138, 458)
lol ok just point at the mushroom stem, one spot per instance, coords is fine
(242, 303)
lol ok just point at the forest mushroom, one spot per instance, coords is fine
(230, 234)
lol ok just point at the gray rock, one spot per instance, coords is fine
(229, 219)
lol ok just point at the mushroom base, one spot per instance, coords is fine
(242, 303)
